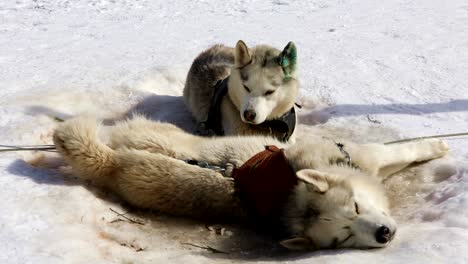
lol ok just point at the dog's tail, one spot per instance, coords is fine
(77, 140)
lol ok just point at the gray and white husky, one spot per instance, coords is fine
(242, 91)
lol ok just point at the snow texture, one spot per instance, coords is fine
(370, 70)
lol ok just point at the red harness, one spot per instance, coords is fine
(265, 181)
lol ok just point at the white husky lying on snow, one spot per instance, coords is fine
(323, 194)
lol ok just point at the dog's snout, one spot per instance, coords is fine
(383, 235)
(249, 115)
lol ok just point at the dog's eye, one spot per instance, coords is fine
(356, 207)
(246, 88)
(269, 92)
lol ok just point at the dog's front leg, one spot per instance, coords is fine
(395, 157)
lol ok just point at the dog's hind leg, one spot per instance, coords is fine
(77, 140)
(155, 137)
(395, 157)
(146, 180)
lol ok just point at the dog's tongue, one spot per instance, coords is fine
(265, 181)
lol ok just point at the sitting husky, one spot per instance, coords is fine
(323, 193)
(244, 91)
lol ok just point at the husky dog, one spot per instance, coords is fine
(336, 199)
(242, 91)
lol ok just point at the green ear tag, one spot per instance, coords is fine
(287, 60)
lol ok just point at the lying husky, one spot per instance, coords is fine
(325, 194)
(244, 91)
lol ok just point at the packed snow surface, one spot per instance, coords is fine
(369, 70)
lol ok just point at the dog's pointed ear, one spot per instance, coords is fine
(314, 178)
(241, 55)
(297, 243)
(288, 60)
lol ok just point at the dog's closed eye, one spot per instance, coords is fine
(246, 88)
(356, 207)
(269, 92)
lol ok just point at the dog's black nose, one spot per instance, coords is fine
(383, 235)
(249, 115)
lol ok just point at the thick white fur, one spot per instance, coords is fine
(142, 163)
(246, 68)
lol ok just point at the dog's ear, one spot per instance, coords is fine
(298, 243)
(314, 178)
(288, 60)
(241, 55)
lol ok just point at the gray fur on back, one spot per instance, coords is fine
(207, 69)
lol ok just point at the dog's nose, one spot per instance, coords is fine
(249, 115)
(383, 235)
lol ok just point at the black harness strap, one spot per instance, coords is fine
(345, 153)
(285, 124)
(213, 121)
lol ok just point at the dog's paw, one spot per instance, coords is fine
(203, 131)
(435, 148)
(439, 147)
(71, 135)
(59, 138)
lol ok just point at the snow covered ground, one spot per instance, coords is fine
(402, 63)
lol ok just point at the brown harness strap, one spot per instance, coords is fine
(265, 182)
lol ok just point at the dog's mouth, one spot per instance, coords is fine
(251, 122)
(380, 242)
(340, 244)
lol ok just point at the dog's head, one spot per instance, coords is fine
(263, 82)
(341, 208)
